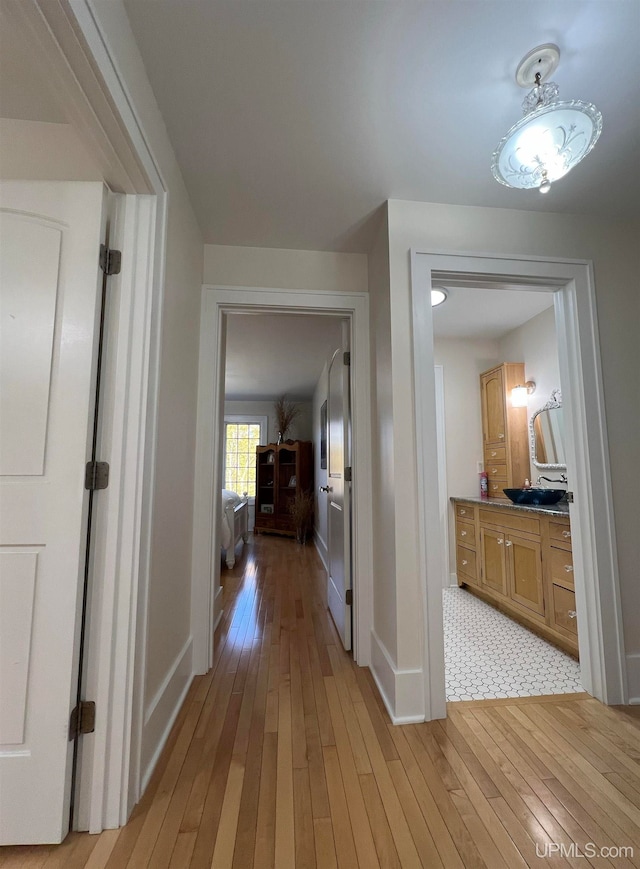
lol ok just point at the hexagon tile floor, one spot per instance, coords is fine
(487, 655)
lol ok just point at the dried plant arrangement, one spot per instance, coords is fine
(301, 509)
(286, 411)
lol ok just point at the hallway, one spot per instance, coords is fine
(283, 756)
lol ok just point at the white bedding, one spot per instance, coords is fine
(229, 499)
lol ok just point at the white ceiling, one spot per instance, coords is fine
(274, 354)
(486, 314)
(294, 121)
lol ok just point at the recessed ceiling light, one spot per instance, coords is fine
(438, 296)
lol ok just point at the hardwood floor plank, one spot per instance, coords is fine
(305, 857)
(358, 749)
(405, 846)
(532, 813)
(285, 852)
(365, 848)
(283, 755)
(325, 846)
(102, 851)
(422, 838)
(578, 780)
(225, 840)
(544, 803)
(468, 851)
(586, 762)
(440, 833)
(181, 856)
(383, 840)
(342, 832)
(264, 853)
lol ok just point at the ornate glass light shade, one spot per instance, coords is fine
(551, 138)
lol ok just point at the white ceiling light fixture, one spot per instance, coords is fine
(553, 136)
(438, 296)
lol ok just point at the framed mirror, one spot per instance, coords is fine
(546, 435)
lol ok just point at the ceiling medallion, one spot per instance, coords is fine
(552, 137)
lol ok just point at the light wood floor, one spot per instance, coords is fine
(284, 756)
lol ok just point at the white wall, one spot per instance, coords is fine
(536, 344)
(272, 268)
(39, 151)
(463, 360)
(301, 428)
(613, 248)
(164, 625)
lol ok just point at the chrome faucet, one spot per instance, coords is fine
(563, 479)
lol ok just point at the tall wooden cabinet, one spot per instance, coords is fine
(504, 429)
(282, 471)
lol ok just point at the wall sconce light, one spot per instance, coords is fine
(520, 394)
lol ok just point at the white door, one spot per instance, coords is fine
(49, 303)
(339, 494)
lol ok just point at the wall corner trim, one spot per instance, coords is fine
(162, 711)
(402, 691)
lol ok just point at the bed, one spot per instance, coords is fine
(235, 524)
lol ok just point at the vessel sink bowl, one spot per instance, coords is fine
(538, 497)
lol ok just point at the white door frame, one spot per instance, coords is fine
(75, 45)
(443, 500)
(602, 659)
(217, 303)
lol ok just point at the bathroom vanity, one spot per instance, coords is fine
(519, 559)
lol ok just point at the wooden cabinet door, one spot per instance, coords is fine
(494, 563)
(524, 565)
(493, 409)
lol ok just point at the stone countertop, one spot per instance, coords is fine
(560, 509)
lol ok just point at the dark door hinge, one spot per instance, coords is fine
(96, 475)
(110, 260)
(346, 358)
(83, 719)
(348, 597)
(348, 475)
(569, 497)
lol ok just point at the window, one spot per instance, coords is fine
(242, 434)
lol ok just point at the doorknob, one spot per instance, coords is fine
(325, 489)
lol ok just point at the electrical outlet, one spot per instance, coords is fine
(480, 467)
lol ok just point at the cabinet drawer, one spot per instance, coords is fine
(562, 567)
(513, 521)
(465, 533)
(496, 487)
(495, 470)
(466, 564)
(495, 455)
(466, 512)
(560, 532)
(564, 609)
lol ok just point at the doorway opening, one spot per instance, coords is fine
(232, 320)
(594, 558)
(509, 626)
(271, 358)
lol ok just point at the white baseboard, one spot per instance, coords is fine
(217, 608)
(162, 711)
(322, 549)
(633, 679)
(453, 580)
(402, 691)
